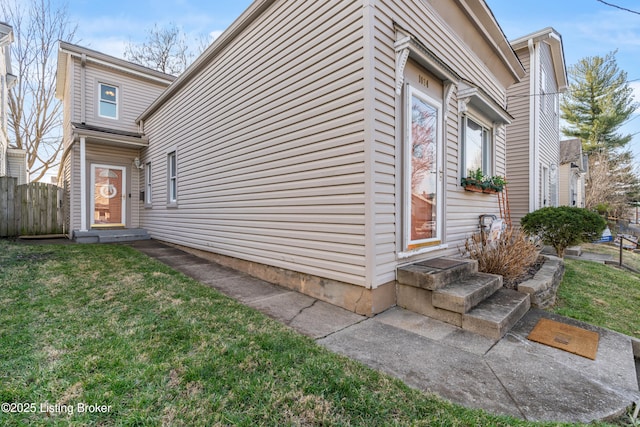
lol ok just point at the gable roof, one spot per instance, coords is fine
(477, 10)
(481, 15)
(554, 40)
(570, 151)
(68, 49)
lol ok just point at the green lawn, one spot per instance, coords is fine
(629, 258)
(602, 295)
(105, 325)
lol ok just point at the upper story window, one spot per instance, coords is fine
(477, 146)
(108, 102)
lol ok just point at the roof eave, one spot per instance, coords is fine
(479, 12)
(554, 40)
(242, 22)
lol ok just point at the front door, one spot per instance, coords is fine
(108, 198)
(423, 194)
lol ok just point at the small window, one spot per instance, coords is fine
(173, 177)
(545, 187)
(147, 194)
(477, 148)
(108, 101)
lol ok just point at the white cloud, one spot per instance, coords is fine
(215, 34)
(110, 46)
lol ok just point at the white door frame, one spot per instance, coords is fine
(437, 105)
(123, 191)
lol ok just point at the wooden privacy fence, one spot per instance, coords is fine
(30, 209)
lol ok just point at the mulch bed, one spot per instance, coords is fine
(531, 271)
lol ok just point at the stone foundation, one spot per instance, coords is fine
(360, 300)
(543, 287)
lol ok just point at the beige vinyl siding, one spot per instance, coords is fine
(462, 208)
(71, 108)
(134, 96)
(444, 38)
(271, 163)
(75, 194)
(518, 140)
(549, 143)
(386, 192)
(68, 194)
(97, 153)
(564, 185)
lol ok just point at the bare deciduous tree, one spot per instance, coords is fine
(612, 182)
(165, 50)
(35, 116)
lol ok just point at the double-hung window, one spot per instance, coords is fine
(477, 147)
(108, 102)
(172, 167)
(147, 194)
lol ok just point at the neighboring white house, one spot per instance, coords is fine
(320, 145)
(533, 150)
(572, 175)
(12, 160)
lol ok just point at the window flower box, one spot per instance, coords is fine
(479, 183)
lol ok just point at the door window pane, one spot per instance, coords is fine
(424, 179)
(108, 197)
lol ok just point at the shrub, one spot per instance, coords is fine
(563, 226)
(510, 256)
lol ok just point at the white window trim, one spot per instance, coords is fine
(172, 202)
(148, 187)
(544, 196)
(491, 131)
(94, 166)
(117, 88)
(410, 92)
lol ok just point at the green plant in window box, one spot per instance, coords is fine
(478, 182)
(497, 183)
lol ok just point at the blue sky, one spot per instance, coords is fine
(588, 27)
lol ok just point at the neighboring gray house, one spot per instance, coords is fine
(320, 145)
(100, 168)
(572, 174)
(533, 138)
(12, 160)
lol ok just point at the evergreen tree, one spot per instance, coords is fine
(599, 100)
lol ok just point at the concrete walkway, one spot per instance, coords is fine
(511, 376)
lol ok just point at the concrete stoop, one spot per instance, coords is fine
(451, 290)
(111, 236)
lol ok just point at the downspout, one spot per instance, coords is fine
(84, 199)
(83, 92)
(534, 173)
(83, 185)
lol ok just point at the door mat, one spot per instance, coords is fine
(441, 263)
(566, 337)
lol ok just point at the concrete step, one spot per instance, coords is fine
(419, 301)
(495, 316)
(111, 236)
(467, 292)
(133, 235)
(435, 273)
